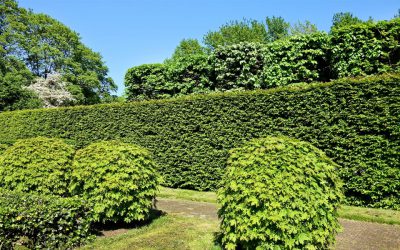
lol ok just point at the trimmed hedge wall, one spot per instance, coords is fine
(355, 122)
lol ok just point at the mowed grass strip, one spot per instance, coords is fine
(385, 216)
(166, 232)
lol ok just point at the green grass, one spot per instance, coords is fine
(183, 232)
(385, 216)
(166, 232)
(183, 194)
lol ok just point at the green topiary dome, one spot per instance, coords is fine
(37, 164)
(120, 179)
(3, 148)
(279, 193)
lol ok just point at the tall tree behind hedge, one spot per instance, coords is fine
(14, 75)
(343, 19)
(235, 32)
(186, 48)
(46, 46)
(303, 28)
(277, 28)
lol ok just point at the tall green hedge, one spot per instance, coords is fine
(303, 58)
(355, 122)
(365, 48)
(360, 49)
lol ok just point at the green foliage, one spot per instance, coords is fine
(355, 122)
(3, 148)
(191, 74)
(14, 77)
(236, 32)
(343, 19)
(297, 59)
(187, 48)
(303, 28)
(46, 46)
(366, 48)
(181, 76)
(43, 222)
(361, 49)
(37, 164)
(277, 28)
(118, 178)
(238, 66)
(279, 193)
(147, 81)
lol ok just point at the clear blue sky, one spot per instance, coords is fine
(133, 32)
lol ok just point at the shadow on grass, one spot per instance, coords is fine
(112, 228)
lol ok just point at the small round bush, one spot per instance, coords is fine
(37, 165)
(3, 148)
(120, 180)
(279, 193)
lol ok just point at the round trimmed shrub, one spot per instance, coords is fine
(3, 148)
(279, 193)
(37, 165)
(120, 180)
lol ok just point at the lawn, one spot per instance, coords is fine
(175, 231)
(385, 216)
(165, 232)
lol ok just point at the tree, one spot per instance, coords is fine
(398, 14)
(188, 47)
(14, 75)
(277, 28)
(52, 91)
(235, 32)
(46, 46)
(342, 19)
(303, 28)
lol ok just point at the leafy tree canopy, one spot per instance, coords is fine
(36, 45)
(277, 28)
(186, 48)
(235, 32)
(302, 28)
(344, 19)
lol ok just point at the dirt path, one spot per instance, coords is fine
(356, 234)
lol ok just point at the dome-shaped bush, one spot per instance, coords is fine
(3, 148)
(279, 193)
(37, 164)
(120, 180)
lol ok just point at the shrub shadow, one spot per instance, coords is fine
(115, 228)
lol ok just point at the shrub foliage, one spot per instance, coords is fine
(355, 122)
(359, 49)
(279, 193)
(118, 178)
(37, 164)
(3, 148)
(238, 66)
(366, 48)
(43, 222)
(302, 58)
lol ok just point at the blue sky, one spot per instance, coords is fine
(129, 32)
